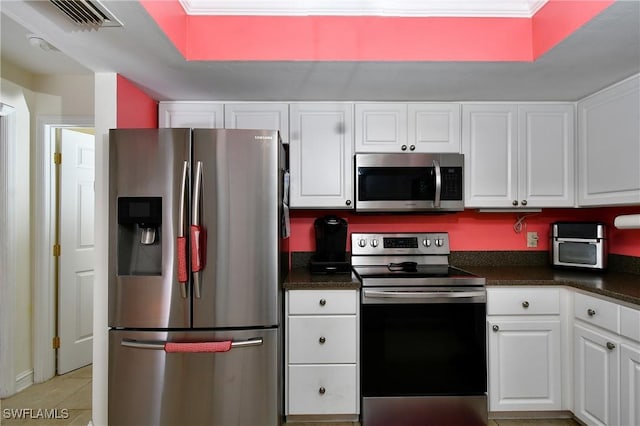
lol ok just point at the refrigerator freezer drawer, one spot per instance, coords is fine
(149, 385)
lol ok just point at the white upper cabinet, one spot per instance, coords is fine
(201, 115)
(609, 145)
(546, 147)
(381, 127)
(321, 155)
(434, 127)
(518, 156)
(402, 127)
(268, 116)
(489, 138)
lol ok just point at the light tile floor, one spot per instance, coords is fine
(63, 400)
(71, 394)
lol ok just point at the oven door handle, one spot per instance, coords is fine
(428, 296)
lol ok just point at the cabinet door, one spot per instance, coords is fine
(323, 389)
(322, 339)
(608, 129)
(629, 385)
(268, 116)
(434, 127)
(381, 127)
(321, 155)
(596, 377)
(546, 155)
(524, 365)
(489, 138)
(197, 115)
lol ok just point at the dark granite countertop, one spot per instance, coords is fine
(300, 278)
(618, 285)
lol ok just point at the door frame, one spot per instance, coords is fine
(44, 310)
(7, 250)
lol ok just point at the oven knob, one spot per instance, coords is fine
(439, 242)
(426, 242)
(374, 243)
(362, 243)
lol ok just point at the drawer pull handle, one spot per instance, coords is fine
(322, 340)
(611, 346)
(591, 312)
(323, 302)
(322, 390)
(495, 328)
(525, 304)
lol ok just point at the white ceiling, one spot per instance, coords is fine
(605, 50)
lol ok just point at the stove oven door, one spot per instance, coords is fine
(423, 356)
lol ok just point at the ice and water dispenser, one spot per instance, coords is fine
(139, 235)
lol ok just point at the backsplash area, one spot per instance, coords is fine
(472, 231)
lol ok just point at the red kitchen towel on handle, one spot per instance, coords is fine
(182, 260)
(172, 347)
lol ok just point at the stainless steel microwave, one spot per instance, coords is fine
(409, 182)
(579, 245)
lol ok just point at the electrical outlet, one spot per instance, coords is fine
(532, 239)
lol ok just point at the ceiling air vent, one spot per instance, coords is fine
(87, 13)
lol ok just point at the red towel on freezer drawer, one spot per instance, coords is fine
(198, 347)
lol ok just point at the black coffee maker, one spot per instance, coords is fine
(331, 246)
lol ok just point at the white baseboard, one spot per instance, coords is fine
(24, 380)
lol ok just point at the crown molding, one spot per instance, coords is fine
(392, 8)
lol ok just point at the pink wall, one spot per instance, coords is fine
(135, 109)
(470, 230)
(370, 38)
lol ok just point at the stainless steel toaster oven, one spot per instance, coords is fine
(579, 245)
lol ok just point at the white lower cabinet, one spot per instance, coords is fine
(596, 376)
(525, 364)
(321, 355)
(606, 362)
(629, 385)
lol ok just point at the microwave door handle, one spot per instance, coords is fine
(197, 236)
(436, 166)
(183, 275)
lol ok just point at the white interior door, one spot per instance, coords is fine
(76, 263)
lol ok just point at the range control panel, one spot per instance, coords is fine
(422, 243)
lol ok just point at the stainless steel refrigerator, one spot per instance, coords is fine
(197, 254)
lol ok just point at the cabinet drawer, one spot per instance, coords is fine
(523, 301)
(597, 312)
(318, 302)
(322, 340)
(322, 389)
(630, 323)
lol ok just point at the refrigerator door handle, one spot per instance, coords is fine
(187, 347)
(183, 276)
(198, 236)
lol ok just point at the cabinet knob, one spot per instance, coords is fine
(525, 304)
(323, 302)
(611, 346)
(348, 202)
(495, 328)
(403, 147)
(514, 203)
(322, 390)
(412, 148)
(591, 312)
(523, 202)
(322, 340)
